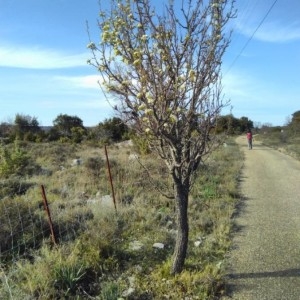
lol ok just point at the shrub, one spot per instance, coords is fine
(13, 161)
(95, 166)
(67, 278)
(55, 274)
(13, 186)
(140, 144)
(110, 291)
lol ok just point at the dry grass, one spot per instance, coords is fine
(95, 258)
(286, 141)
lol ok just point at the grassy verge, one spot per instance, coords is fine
(283, 140)
(124, 255)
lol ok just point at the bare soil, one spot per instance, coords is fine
(264, 262)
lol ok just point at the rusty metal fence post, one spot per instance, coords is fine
(110, 178)
(46, 207)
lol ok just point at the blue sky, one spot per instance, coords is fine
(43, 69)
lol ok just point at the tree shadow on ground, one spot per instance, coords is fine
(267, 274)
(232, 287)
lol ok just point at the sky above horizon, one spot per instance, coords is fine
(44, 70)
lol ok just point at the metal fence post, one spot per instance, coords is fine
(46, 207)
(110, 178)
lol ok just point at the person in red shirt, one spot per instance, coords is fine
(249, 139)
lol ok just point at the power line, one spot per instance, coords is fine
(251, 37)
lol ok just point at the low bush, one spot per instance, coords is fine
(13, 187)
(12, 161)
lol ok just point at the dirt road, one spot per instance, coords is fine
(265, 260)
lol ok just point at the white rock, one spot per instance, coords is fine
(138, 269)
(104, 201)
(131, 280)
(158, 245)
(76, 162)
(128, 292)
(198, 243)
(107, 200)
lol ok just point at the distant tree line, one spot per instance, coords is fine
(68, 128)
(232, 125)
(65, 128)
(290, 129)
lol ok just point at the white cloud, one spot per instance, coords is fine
(37, 58)
(91, 103)
(275, 32)
(260, 100)
(268, 22)
(82, 92)
(88, 81)
(272, 32)
(237, 85)
(98, 103)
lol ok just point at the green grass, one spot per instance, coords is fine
(94, 258)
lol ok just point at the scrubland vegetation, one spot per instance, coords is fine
(286, 138)
(102, 253)
(282, 140)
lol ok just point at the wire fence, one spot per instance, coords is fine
(24, 226)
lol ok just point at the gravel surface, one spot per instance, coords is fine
(264, 262)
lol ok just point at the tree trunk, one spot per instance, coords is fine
(181, 244)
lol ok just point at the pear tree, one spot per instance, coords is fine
(162, 62)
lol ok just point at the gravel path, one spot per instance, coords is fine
(264, 262)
